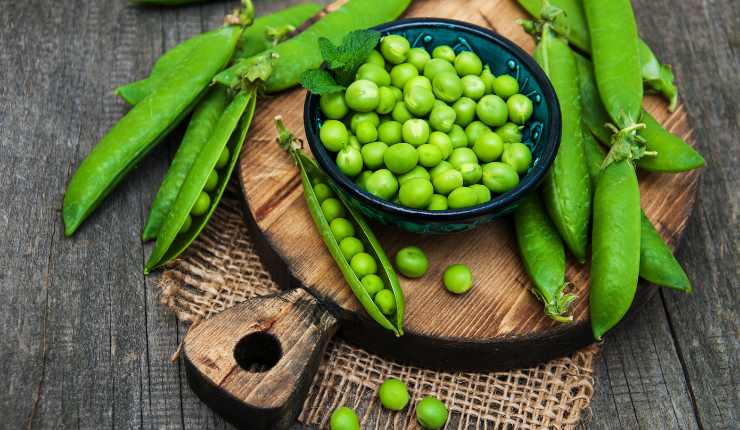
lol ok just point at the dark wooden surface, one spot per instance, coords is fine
(83, 339)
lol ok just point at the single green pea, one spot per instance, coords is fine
(441, 141)
(375, 73)
(412, 262)
(419, 100)
(400, 158)
(518, 156)
(447, 87)
(361, 180)
(382, 184)
(458, 137)
(457, 278)
(375, 57)
(353, 142)
(499, 177)
(488, 78)
(398, 93)
(436, 66)
(363, 264)
(462, 156)
(444, 52)
(468, 63)
(417, 81)
(350, 246)
(223, 159)
(401, 73)
(473, 87)
(349, 161)
(431, 413)
(372, 154)
(394, 48)
(471, 173)
(333, 105)
(418, 57)
(446, 181)
(462, 197)
(362, 95)
(442, 117)
(386, 100)
(400, 113)
(520, 108)
(438, 202)
(474, 130)
(366, 132)
(415, 193)
(187, 224)
(372, 283)
(429, 155)
(333, 134)
(393, 394)
(492, 110)
(360, 117)
(390, 132)
(344, 418)
(439, 168)
(332, 208)
(464, 111)
(488, 147)
(510, 132)
(416, 172)
(505, 86)
(341, 228)
(201, 205)
(385, 301)
(211, 182)
(415, 132)
(484, 194)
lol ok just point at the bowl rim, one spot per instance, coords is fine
(503, 201)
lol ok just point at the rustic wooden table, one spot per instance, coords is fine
(83, 339)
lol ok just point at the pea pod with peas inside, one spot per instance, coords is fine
(134, 135)
(374, 284)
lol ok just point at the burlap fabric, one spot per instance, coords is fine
(221, 269)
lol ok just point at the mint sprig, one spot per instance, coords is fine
(320, 81)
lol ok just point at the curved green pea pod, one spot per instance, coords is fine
(301, 53)
(134, 135)
(673, 154)
(200, 128)
(566, 189)
(255, 38)
(616, 58)
(615, 252)
(657, 263)
(543, 255)
(171, 242)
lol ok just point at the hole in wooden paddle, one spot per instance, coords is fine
(257, 352)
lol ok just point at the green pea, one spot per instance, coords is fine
(386, 100)
(400, 113)
(461, 156)
(484, 194)
(362, 95)
(474, 130)
(375, 73)
(349, 161)
(518, 156)
(389, 132)
(201, 205)
(361, 180)
(471, 173)
(487, 78)
(353, 142)
(439, 168)
(415, 193)
(363, 264)
(344, 418)
(333, 134)
(468, 63)
(442, 117)
(382, 183)
(458, 137)
(223, 159)
(350, 246)
(444, 52)
(372, 154)
(416, 172)
(488, 147)
(372, 283)
(393, 394)
(341, 228)
(505, 86)
(446, 181)
(457, 278)
(417, 81)
(332, 208)
(473, 87)
(418, 57)
(385, 301)
(360, 117)
(499, 177)
(492, 110)
(436, 66)
(400, 158)
(419, 100)
(438, 202)
(397, 93)
(375, 58)
(401, 73)
(187, 224)
(211, 182)
(366, 132)
(322, 191)
(333, 105)
(429, 155)
(394, 48)
(412, 262)
(510, 132)
(462, 197)
(520, 108)
(447, 86)
(431, 413)
(464, 111)
(441, 141)
(415, 132)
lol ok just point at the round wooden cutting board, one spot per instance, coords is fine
(499, 324)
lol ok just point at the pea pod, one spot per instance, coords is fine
(144, 126)
(199, 129)
(301, 53)
(310, 172)
(566, 189)
(172, 239)
(657, 263)
(543, 255)
(672, 153)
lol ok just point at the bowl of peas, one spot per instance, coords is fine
(446, 126)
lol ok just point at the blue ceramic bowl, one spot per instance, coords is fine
(541, 134)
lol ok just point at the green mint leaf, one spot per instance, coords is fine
(319, 81)
(330, 53)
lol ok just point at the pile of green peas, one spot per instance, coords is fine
(428, 131)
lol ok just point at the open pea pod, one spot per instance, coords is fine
(173, 239)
